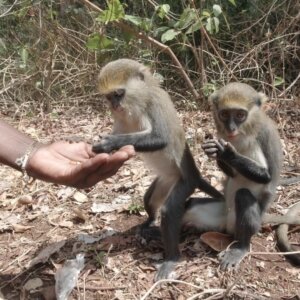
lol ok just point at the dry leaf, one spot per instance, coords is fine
(80, 197)
(33, 284)
(2, 198)
(66, 224)
(7, 220)
(44, 255)
(65, 193)
(25, 200)
(80, 214)
(216, 240)
(21, 228)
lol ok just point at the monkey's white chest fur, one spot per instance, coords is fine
(239, 181)
(161, 164)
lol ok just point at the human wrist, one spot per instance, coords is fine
(13, 145)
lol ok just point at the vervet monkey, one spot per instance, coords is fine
(144, 116)
(249, 151)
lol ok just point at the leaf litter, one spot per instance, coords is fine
(59, 223)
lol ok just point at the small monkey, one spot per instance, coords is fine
(249, 152)
(144, 116)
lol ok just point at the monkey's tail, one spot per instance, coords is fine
(282, 236)
(289, 181)
(209, 189)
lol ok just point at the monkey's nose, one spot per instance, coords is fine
(119, 92)
(115, 97)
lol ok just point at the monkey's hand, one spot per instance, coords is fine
(106, 145)
(219, 149)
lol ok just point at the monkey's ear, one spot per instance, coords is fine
(261, 99)
(143, 72)
(141, 75)
(213, 99)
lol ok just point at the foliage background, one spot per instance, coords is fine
(51, 51)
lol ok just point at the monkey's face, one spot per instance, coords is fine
(235, 108)
(125, 84)
(232, 119)
(115, 99)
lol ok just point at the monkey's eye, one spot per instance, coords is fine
(241, 115)
(224, 115)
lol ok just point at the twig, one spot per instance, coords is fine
(218, 292)
(101, 288)
(6, 12)
(167, 281)
(124, 27)
(274, 253)
(290, 86)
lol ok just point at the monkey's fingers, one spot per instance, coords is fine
(213, 144)
(212, 152)
(98, 148)
(209, 143)
(223, 142)
(227, 145)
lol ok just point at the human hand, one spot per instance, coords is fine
(75, 164)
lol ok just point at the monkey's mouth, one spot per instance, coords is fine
(232, 135)
(116, 106)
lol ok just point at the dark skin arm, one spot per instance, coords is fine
(60, 162)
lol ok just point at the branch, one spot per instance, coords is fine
(124, 27)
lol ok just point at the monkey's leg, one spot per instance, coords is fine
(171, 219)
(154, 197)
(248, 222)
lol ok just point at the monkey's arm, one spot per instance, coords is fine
(142, 141)
(151, 139)
(225, 168)
(247, 167)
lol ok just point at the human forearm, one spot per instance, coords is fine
(13, 144)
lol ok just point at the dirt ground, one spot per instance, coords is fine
(43, 225)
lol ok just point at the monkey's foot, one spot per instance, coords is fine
(150, 233)
(231, 258)
(165, 271)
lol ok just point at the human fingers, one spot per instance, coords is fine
(129, 149)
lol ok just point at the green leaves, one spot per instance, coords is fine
(114, 12)
(143, 23)
(169, 35)
(217, 10)
(97, 41)
(278, 81)
(187, 18)
(232, 2)
(23, 52)
(212, 19)
(162, 10)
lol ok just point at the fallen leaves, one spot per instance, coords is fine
(45, 254)
(216, 240)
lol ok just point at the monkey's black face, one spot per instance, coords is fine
(115, 97)
(232, 120)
